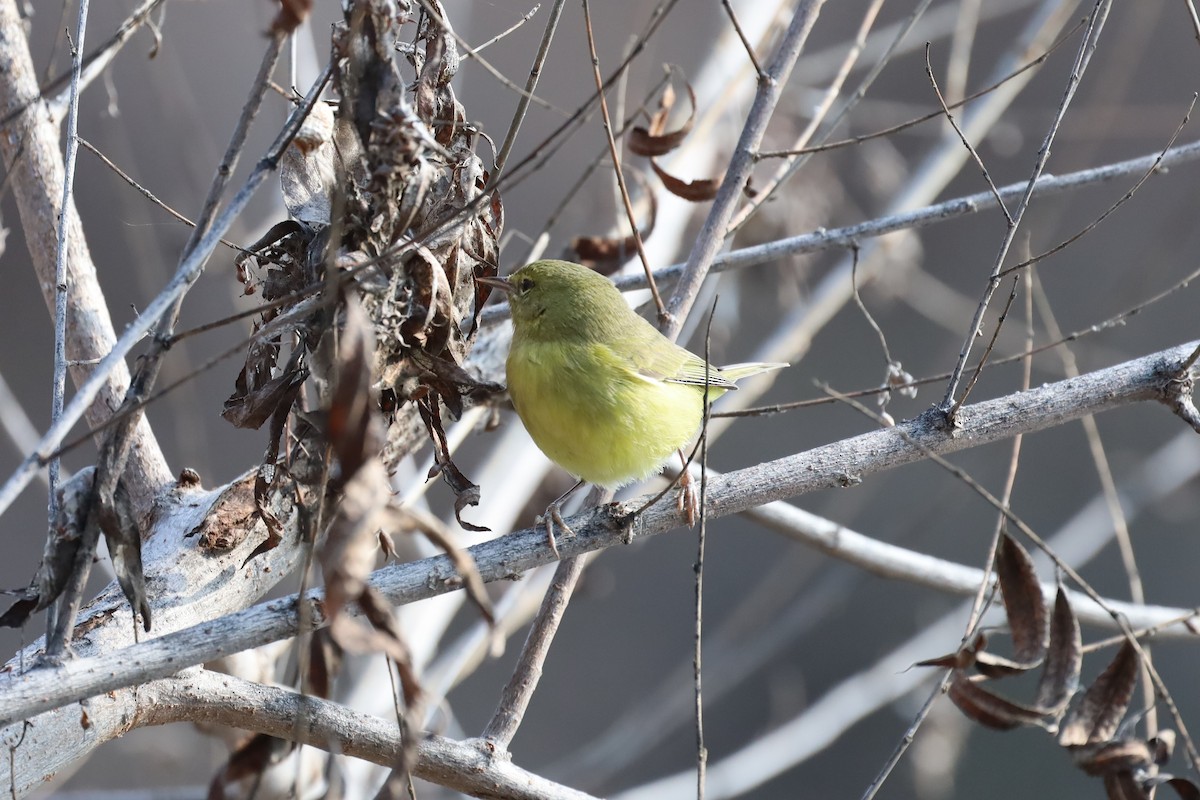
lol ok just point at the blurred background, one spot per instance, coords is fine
(785, 626)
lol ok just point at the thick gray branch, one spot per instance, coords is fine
(473, 767)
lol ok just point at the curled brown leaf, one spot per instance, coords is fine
(1097, 715)
(655, 140)
(988, 708)
(1064, 658)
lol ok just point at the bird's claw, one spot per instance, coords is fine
(688, 501)
(552, 518)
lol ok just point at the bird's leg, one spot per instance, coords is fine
(553, 516)
(688, 501)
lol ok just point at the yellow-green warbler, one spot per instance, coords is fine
(601, 391)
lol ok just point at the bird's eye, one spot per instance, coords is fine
(526, 284)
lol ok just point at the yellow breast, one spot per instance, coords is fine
(592, 414)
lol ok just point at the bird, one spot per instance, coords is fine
(602, 392)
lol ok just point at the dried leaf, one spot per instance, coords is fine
(386, 637)
(229, 519)
(119, 525)
(452, 383)
(463, 562)
(1060, 675)
(249, 409)
(466, 493)
(292, 14)
(264, 477)
(308, 169)
(1184, 788)
(348, 554)
(987, 708)
(58, 556)
(1110, 758)
(961, 659)
(697, 191)
(1096, 717)
(250, 760)
(591, 249)
(353, 427)
(426, 325)
(1123, 786)
(1023, 601)
(324, 661)
(1163, 745)
(655, 140)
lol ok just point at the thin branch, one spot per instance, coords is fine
(983, 360)
(826, 239)
(94, 63)
(431, 7)
(758, 70)
(176, 288)
(58, 392)
(1193, 18)
(33, 157)
(796, 159)
(713, 232)
(1119, 202)
(120, 173)
(216, 698)
(891, 676)
(902, 126)
(963, 138)
(1091, 36)
(985, 594)
(114, 453)
(528, 16)
(531, 82)
(616, 161)
(514, 700)
(1108, 484)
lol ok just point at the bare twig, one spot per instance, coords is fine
(987, 586)
(1119, 202)
(527, 16)
(531, 82)
(758, 70)
(1195, 20)
(94, 63)
(891, 129)
(891, 676)
(59, 389)
(1091, 36)
(796, 158)
(120, 173)
(514, 700)
(963, 138)
(846, 236)
(713, 232)
(33, 160)
(117, 445)
(983, 360)
(1108, 484)
(179, 284)
(616, 161)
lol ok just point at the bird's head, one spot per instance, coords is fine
(561, 300)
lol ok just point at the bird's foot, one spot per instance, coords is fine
(551, 519)
(688, 501)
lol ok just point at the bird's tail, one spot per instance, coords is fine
(735, 372)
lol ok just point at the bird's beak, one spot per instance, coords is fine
(496, 283)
